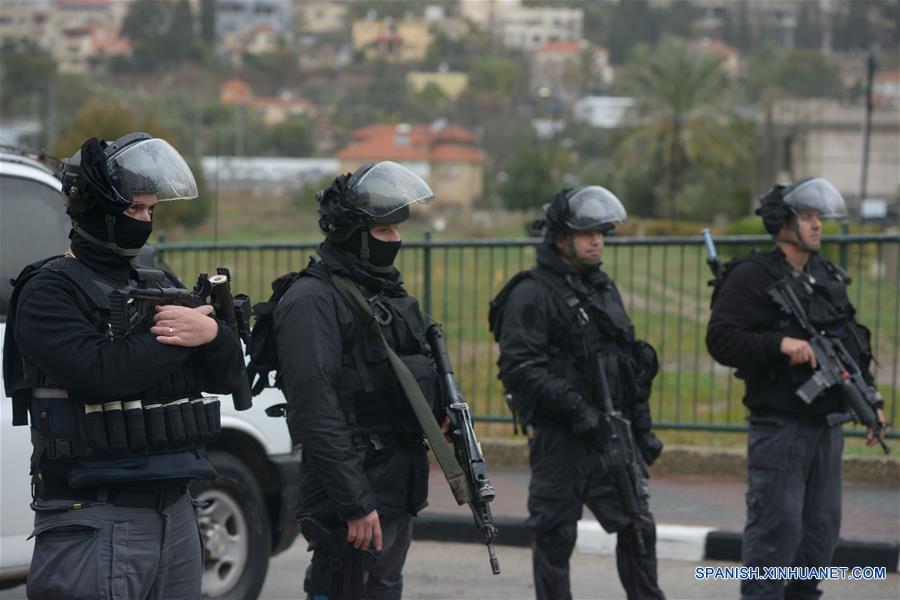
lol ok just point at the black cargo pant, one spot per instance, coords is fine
(793, 501)
(113, 552)
(560, 486)
(384, 579)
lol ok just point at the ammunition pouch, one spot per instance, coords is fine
(64, 430)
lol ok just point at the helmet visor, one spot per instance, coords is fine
(594, 207)
(152, 167)
(819, 195)
(387, 187)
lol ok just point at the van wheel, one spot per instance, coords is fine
(235, 529)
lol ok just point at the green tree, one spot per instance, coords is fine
(292, 137)
(683, 112)
(496, 77)
(808, 34)
(799, 73)
(851, 29)
(632, 23)
(532, 175)
(430, 101)
(161, 32)
(207, 18)
(26, 74)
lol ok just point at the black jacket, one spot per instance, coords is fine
(62, 337)
(54, 331)
(321, 343)
(746, 329)
(545, 353)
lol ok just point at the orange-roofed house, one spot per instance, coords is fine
(392, 40)
(730, 56)
(273, 110)
(446, 156)
(886, 87)
(563, 69)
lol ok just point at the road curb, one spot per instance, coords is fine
(694, 460)
(684, 542)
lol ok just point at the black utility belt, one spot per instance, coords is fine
(135, 495)
(127, 427)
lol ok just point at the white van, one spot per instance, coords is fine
(251, 505)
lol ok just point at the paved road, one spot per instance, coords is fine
(441, 570)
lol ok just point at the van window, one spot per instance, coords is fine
(33, 225)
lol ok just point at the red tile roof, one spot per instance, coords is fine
(389, 141)
(383, 149)
(717, 47)
(888, 75)
(567, 48)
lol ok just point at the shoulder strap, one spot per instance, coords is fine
(12, 367)
(459, 485)
(495, 312)
(96, 291)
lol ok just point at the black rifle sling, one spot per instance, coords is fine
(459, 484)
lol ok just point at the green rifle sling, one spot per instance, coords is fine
(459, 485)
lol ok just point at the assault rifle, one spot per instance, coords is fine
(465, 445)
(835, 367)
(712, 258)
(134, 304)
(346, 566)
(619, 457)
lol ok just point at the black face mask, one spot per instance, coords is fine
(132, 233)
(90, 238)
(380, 254)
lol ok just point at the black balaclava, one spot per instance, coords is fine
(372, 253)
(129, 234)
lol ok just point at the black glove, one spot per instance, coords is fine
(649, 445)
(584, 418)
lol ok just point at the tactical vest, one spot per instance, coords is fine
(594, 323)
(370, 394)
(72, 434)
(822, 290)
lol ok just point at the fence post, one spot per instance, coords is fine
(426, 273)
(842, 246)
(160, 243)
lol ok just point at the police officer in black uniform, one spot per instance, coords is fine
(364, 465)
(793, 455)
(551, 322)
(118, 425)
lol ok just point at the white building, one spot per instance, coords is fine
(604, 112)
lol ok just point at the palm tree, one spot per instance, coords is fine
(683, 112)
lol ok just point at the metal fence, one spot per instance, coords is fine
(663, 282)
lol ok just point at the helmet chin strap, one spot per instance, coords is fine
(798, 241)
(572, 255)
(364, 253)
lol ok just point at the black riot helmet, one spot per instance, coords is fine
(104, 175)
(783, 202)
(376, 193)
(583, 208)
(101, 178)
